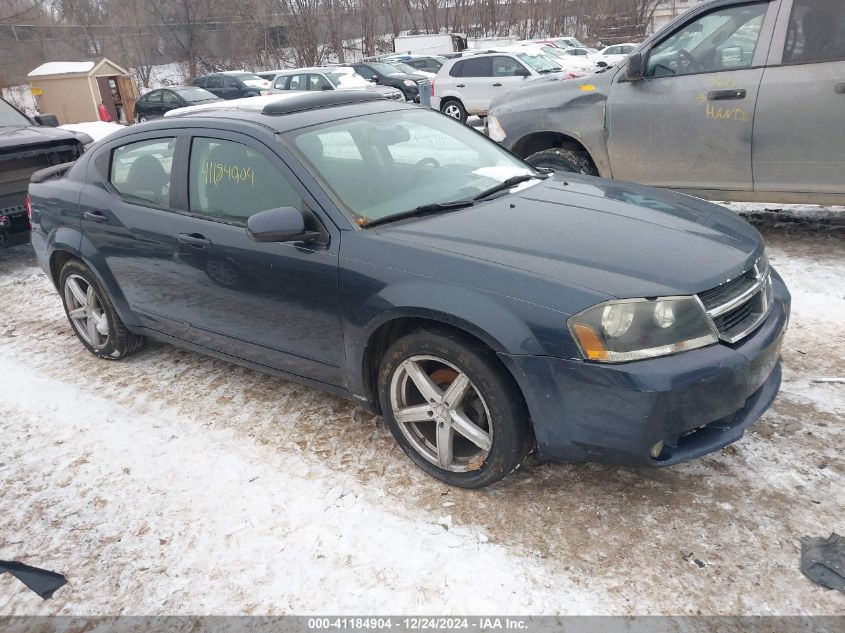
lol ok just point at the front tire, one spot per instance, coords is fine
(454, 109)
(564, 160)
(92, 315)
(140, 118)
(453, 409)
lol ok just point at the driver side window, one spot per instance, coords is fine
(724, 39)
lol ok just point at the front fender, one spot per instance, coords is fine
(505, 325)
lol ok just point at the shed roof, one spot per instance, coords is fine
(55, 69)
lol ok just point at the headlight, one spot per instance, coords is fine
(408, 82)
(633, 329)
(495, 130)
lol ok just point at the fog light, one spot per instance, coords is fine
(656, 450)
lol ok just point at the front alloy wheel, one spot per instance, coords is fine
(453, 408)
(441, 413)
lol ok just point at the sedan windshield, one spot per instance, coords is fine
(195, 95)
(388, 164)
(540, 63)
(403, 67)
(385, 69)
(11, 117)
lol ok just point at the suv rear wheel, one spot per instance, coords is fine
(453, 409)
(564, 160)
(455, 109)
(92, 315)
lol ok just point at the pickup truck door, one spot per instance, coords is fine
(689, 122)
(798, 145)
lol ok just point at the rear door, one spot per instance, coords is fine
(475, 84)
(696, 104)
(798, 144)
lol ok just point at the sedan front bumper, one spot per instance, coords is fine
(695, 402)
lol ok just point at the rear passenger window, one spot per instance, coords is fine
(141, 171)
(816, 32)
(477, 67)
(230, 181)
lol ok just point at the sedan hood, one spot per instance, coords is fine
(32, 135)
(621, 240)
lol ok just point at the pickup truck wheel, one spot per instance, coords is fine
(452, 408)
(454, 109)
(92, 314)
(564, 160)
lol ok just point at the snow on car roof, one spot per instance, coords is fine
(61, 68)
(253, 104)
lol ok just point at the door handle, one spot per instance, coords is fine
(193, 239)
(726, 95)
(497, 85)
(95, 216)
(839, 89)
(460, 85)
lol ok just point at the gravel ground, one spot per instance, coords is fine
(173, 483)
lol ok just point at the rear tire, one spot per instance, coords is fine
(472, 442)
(92, 315)
(564, 160)
(454, 109)
(140, 118)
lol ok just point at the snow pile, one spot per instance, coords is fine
(61, 68)
(95, 129)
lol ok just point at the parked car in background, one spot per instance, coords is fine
(233, 85)
(329, 78)
(567, 42)
(28, 145)
(468, 84)
(569, 62)
(734, 100)
(405, 68)
(612, 55)
(386, 74)
(578, 51)
(387, 254)
(155, 103)
(427, 63)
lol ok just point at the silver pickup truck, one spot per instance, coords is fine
(736, 99)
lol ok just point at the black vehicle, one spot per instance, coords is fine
(155, 103)
(388, 75)
(392, 255)
(26, 146)
(233, 85)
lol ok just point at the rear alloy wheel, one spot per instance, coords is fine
(454, 109)
(92, 315)
(564, 160)
(453, 409)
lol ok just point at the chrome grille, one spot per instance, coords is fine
(738, 306)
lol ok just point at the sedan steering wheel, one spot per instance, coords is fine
(428, 160)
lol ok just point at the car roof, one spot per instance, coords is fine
(291, 110)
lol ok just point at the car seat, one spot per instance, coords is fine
(147, 180)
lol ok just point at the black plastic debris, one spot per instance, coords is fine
(823, 560)
(41, 581)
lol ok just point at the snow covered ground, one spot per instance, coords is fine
(95, 129)
(172, 483)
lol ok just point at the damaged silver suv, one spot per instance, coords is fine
(736, 99)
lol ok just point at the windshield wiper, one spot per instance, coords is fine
(425, 209)
(513, 181)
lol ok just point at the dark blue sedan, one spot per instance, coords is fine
(386, 253)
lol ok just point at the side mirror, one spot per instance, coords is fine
(601, 64)
(374, 79)
(285, 224)
(522, 72)
(635, 70)
(47, 120)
